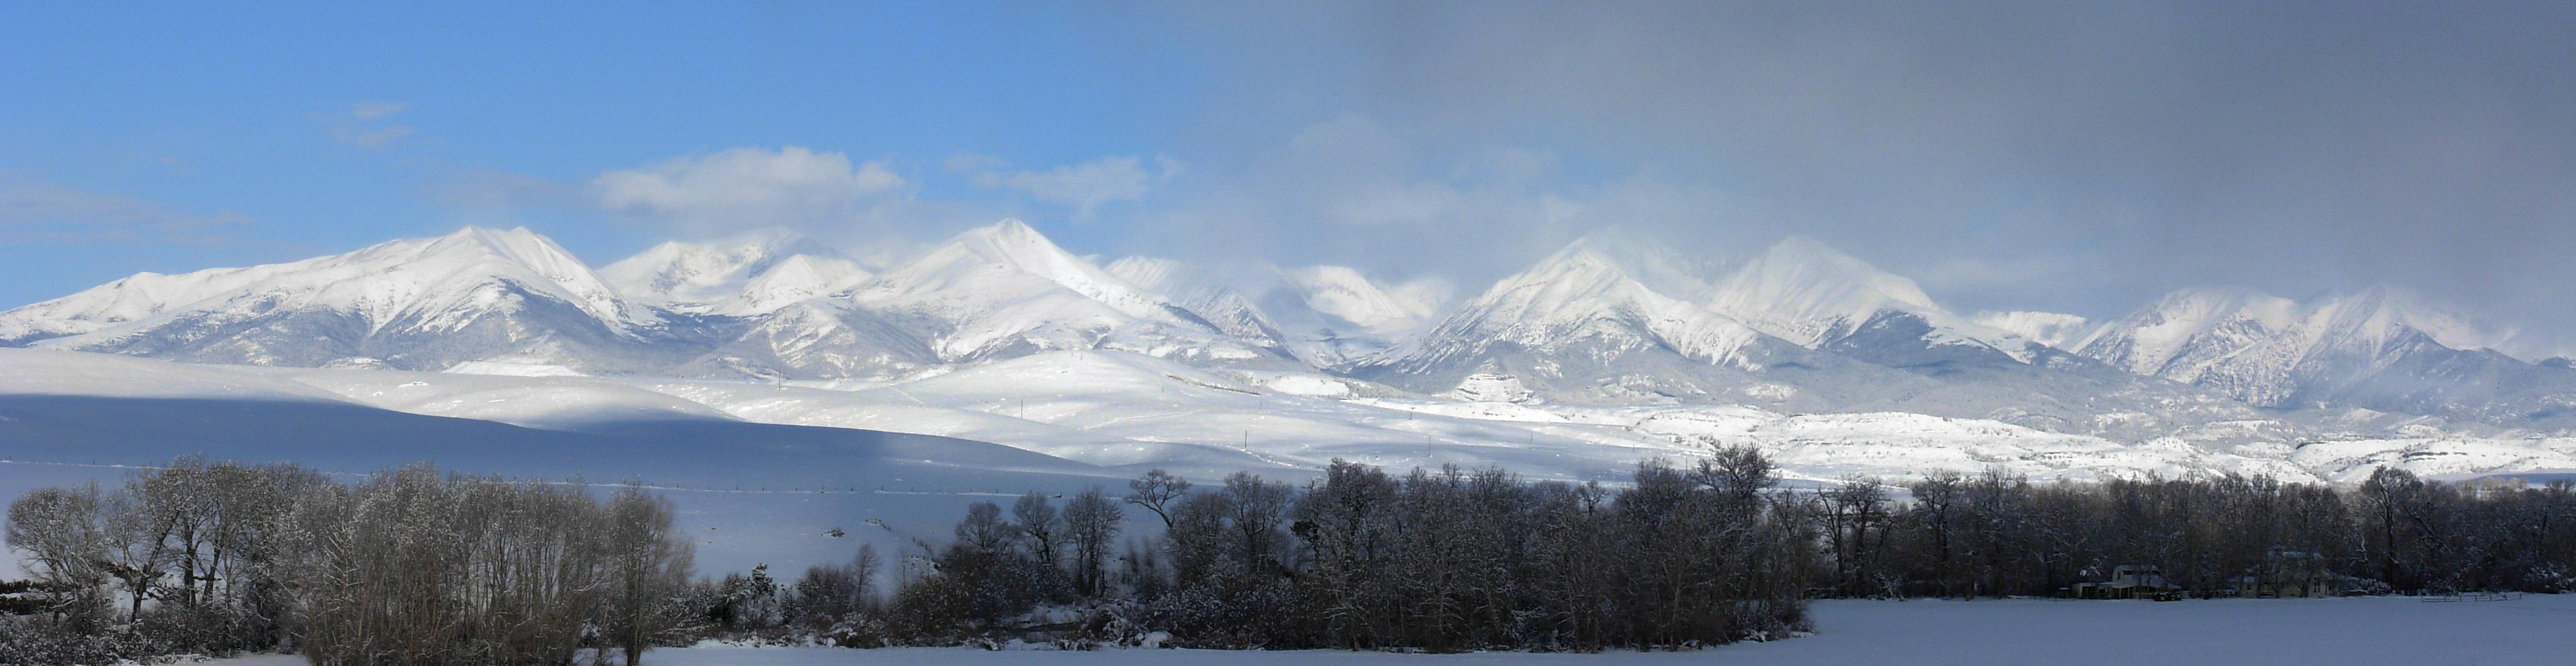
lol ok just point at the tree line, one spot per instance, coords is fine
(1992, 535)
(1452, 560)
(415, 567)
(404, 567)
(1358, 558)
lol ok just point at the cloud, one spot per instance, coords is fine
(2132, 147)
(1085, 187)
(40, 211)
(748, 188)
(487, 190)
(375, 110)
(361, 124)
(1352, 190)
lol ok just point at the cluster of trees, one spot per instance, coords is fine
(405, 567)
(412, 566)
(1460, 560)
(1436, 560)
(1993, 534)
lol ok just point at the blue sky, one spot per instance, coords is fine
(2009, 155)
(251, 121)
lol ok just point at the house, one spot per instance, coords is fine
(2130, 581)
(2285, 573)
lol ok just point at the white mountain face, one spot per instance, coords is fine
(477, 294)
(2380, 348)
(1005, 291)
(1804, 292)
(129, 298)
(1338, 317)
(1343, 293)
(1326, 316)
(1212, 298)
(1582, 327)
(754, 274)
(2062, 331)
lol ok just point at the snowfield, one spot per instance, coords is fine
(2360, 631)
(1127, 412)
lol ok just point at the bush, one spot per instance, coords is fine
(37, 641)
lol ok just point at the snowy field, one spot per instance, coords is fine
(1121, 413)
(2538, 629)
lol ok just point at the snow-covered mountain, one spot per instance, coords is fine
(1809, 294)
(1327, 316)
(1204, 294)
(1608, 320)
(1005, 290)
(2063, 331)
(1579, 324)
(474, 295)
(755, 274)
(2381, 348)
(1835, 335)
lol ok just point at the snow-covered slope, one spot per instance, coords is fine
(1583, 326)
(2063, 331)
(755, 274)
(1005, 291)
(1579, 325)
(1209, 297)
(129, 298)
(1338, 317)
(1343, 293)
(477, 294)
(1327, 316)
(2380, 348)
(1128, 412)
(1809, 294)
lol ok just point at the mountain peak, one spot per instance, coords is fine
(1011, 251)
(1009, 231)
(1807, 292)
(697, 274)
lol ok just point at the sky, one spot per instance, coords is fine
(2070, 157)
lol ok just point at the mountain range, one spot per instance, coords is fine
(1609, 320)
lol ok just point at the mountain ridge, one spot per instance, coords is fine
(1797, 325)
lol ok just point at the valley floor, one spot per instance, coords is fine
(2367, 630)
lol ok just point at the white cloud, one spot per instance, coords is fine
(361, 124)
(375, 110)
(747, 187)
(40, 211)
(1349, 190)
(1085, 186)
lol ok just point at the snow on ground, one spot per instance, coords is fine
(2352, 461)
(49, 372)
(1130, 411)
(536, 401)
(2364, 631)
